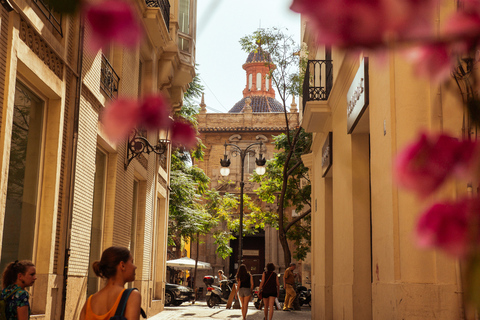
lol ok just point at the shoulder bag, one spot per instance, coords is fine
(260, 292)
(123, 304)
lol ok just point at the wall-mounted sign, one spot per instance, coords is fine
(327, 154)
(357, 96)
(251, 252)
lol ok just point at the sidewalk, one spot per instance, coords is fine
(200, 311)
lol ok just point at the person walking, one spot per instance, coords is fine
(270, 288)
(16, 277)
(289, 280)
(245, 288)
(116, 266)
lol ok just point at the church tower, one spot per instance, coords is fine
(256, 117)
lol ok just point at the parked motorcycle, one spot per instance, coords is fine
(217, 295)
(304, 295)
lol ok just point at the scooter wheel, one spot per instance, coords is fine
(211, 302)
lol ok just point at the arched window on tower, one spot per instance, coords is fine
(250, 81)
(259, 81)
(267, 83)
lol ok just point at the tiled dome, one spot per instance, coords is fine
(258, 104)
(259, 55)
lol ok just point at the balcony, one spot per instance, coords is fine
(164, 6)
(54, 18)
(109, 79)
(317, 86)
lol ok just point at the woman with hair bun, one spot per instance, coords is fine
(116, 266)
(16, 277)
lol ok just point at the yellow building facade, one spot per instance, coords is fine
(67, 192)
(362, 110)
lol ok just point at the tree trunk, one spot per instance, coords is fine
(282, 233)
(287, 256)
(178, 247)
(195, 271)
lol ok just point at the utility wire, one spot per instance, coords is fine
(213, 95)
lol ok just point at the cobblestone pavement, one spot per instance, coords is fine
(200, 311)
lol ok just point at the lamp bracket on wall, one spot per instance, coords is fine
(136, 145)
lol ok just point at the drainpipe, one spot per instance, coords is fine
(73, 162)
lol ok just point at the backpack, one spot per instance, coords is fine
(121, 306)
(3, 304)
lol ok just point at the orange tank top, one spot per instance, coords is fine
(92, 316)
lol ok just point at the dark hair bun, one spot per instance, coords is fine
(97, 269)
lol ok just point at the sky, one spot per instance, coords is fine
(220, 25)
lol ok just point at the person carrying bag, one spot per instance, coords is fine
(114, 302)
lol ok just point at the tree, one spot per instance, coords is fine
(287, 79)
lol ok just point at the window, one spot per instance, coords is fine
(259, 81)
(24, 174)
(184, 25)
(96, 237)
(133, 228)
(250, 76)
(267, 84)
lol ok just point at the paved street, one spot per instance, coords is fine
(200, 311)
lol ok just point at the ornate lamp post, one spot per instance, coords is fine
(225, 171)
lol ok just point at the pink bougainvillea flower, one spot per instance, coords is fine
(425, 164)
(154, 112)
(184, 134)
(432, 61)
(119, 118)
(449, 226)
(112, 21)
(365, 23)
(464, 28)
(345, 22)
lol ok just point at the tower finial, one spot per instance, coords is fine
(203, 106)
(293, 106)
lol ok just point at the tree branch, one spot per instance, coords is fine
(300, 217)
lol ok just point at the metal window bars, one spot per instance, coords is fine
(164, 6)
(318, 81)
(109, 79)
(53, 17)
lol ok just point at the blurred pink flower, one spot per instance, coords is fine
(119, 118)
(155, 112)
(184, 134)
(432, 61)
(365, 23)
(425, 164)
(112, 21)
(449, 226)
(464, 28)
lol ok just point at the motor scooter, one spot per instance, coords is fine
(304, 295)
(217, 295)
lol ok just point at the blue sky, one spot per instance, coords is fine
(220, 25)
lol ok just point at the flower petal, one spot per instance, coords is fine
(155, 112)
(183, 134)
(112, 21)
(119, 118)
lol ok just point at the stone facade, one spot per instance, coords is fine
(65, 188)
(365, 264)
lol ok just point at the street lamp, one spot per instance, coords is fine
(225, 171)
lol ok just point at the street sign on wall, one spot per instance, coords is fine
(357, 96)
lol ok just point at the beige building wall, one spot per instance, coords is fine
(134, 209)
(385, 276)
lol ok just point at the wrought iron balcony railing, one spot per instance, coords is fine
(164, 6)
(53, 17)
(318, 81)
(109, 79)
